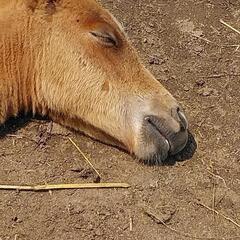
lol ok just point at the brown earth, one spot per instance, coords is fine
(191, 53)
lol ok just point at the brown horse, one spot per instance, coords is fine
(71, 60)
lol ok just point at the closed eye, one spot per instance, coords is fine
(106, 38)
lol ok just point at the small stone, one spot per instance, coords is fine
(216, 127)
(200, 83)
(156, 60)
(17, 220)
(90, 227)
(151, 25)
(206, 92)
(198, 49)
(148, 30)
(98, 232)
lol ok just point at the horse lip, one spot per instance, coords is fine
(156, 127)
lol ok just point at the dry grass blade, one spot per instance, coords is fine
(219, 177)
(221, 75)
(229, 26)
(130, 224)
(220, 214)
(85, 158)
(183, 234)
(214, 199)
(48, 187)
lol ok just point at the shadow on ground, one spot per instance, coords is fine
(14, 124)
(186, 154)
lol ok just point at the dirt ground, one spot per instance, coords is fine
(191, 52)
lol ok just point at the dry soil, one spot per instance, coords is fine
(191, 52)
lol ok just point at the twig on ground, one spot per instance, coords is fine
(214, 199)
(48, 187)
(21, 137)
(237, 48)
(221, 75)
(213, 174)
(158, 218)
(220, 45)
(232, 28)
(217, 176)
(211, 165)
(220, 214)
(184, 234)
(229, 26)
(86, 159)
(130, 224)
(202, 38)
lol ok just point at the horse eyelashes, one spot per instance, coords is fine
(108, 39)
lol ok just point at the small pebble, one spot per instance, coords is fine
(200, 83)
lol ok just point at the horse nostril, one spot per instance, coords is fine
(164, 132)
(184, 122)
(180, 117)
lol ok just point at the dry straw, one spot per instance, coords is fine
(48, 187)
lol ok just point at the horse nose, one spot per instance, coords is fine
(180, 117)
(171, 140)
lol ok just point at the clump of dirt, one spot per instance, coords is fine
(196, 57)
